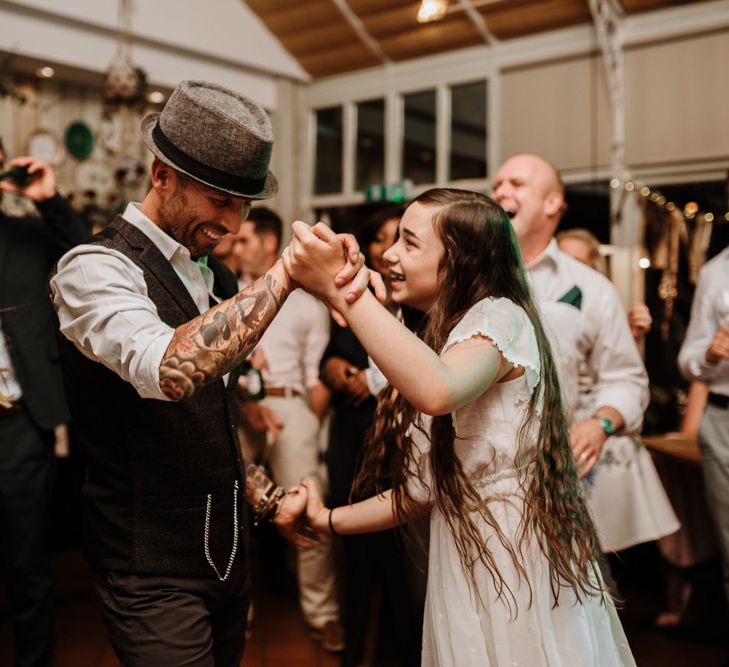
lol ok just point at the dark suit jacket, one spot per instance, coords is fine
(28, 249)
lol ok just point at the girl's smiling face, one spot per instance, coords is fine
(414, 260)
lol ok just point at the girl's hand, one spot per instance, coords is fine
(316, 513)
(321, 261)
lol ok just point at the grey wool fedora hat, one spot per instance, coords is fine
(216, 136)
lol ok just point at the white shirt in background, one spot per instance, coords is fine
(709, 313)
(9, 385)
(294, 343)
(596, 335)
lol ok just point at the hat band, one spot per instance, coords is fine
(211, 175)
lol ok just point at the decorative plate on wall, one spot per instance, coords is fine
(94, 176)
(79, 140)
(44, 144)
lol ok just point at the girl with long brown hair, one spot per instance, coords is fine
(473, 431)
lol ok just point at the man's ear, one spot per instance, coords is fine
(270, 243)
(163, 177)
(554, 204)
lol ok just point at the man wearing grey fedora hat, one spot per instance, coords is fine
(153, 333)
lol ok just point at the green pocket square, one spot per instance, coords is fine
(573, 297)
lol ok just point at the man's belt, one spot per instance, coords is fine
(288, 392)
(719, 400)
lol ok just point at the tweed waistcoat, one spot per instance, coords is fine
(158, 472)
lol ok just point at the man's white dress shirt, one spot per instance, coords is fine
(709, 313)
(9, 385)
(595, 336)
(101, 299)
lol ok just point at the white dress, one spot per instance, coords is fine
(460, 630)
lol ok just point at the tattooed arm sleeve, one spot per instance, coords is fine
(214, 343)
(257, 481)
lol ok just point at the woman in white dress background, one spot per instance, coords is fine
(474, 432)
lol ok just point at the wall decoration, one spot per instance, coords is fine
(46, 145)
(79, 140)
(125, 83)
(94, 176)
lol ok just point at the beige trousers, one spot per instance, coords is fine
(291, 458)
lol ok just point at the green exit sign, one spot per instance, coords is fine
(394, 192)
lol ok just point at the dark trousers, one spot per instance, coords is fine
(157, 621)
(26, 476)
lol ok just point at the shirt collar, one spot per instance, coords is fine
(164, 242)
(549, 254)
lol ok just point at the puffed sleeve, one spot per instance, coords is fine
(508, 327)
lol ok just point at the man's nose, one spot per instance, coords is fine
(232, 221)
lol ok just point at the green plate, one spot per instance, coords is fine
(79, 140)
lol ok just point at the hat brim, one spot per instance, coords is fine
(148, 122)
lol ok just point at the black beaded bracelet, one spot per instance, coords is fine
(331, 525)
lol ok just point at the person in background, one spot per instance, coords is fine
(33, 400)
(282, 430)
(583, 314)
(228, 251)
(584, 246)
(381, 583)
(623, 490)
(704, 356)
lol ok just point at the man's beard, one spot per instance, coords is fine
(173, 220)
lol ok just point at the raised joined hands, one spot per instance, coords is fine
(329, 266)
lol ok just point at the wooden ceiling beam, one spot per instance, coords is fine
(515, 20)
(341, 59)
(316, 38)
(429, 38)
(364, 8)
(303, 16)
(356, 24)
(264, 7)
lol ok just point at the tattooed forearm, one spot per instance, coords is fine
(257, 481)
(214, 343)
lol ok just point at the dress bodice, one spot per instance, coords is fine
(488, 429)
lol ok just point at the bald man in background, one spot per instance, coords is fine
(584, 317)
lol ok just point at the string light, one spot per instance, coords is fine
(690, 211)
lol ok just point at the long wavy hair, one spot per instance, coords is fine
(481, 260)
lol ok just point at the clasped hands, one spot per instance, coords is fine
(302, 517)
(330, 266)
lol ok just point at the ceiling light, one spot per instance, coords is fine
(432, 10)
(155, 97)
(45, 72)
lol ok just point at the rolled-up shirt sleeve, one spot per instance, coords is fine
(621, 381)
(104, 310)
(703, 325)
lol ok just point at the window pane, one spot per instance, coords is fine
(328, 170)
(468, 131)
(418, 151)
(370, 143)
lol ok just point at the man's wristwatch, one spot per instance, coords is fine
(606, 424)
